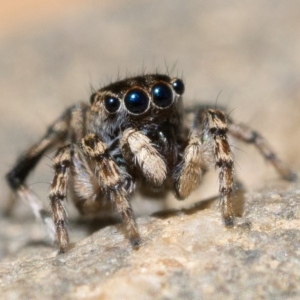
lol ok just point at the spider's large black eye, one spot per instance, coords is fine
(136, 101)
(178, 86)
(162, 95)
(111, 103)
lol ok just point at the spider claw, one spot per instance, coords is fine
(292, 177)
(229, 221)
(60, 252)
(136, 242)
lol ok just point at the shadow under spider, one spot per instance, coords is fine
(237, 204)
(93, 224)
(96, 223)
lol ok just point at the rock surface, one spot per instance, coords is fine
(186, 254)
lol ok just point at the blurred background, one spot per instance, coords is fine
(244, 55)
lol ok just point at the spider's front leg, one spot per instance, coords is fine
(62, 163)
(215, 127)
(114, 183)
(207, 143)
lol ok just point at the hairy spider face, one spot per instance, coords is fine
(141, 100)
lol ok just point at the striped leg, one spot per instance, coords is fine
(26, 163)
(207, 144)
(216, 126)
(70, 124)
(114, 183)
(244, 133)
(58, 194)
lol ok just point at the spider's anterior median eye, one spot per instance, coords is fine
(111, 103)
(178, 86)
(162, 95)
(136, 101)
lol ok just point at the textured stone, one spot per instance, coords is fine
(186, 254)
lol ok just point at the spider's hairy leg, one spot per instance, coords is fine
(113, 182)
(58, 194)
(190, 171)
(136, 147)
(216, 128)
(246, 134)
(26, 163)
(69, 124)
(28, 160)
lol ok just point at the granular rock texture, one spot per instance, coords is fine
(186, 254)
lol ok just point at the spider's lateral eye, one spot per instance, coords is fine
(93, 98)
(136, 101)
(162, 95)
(178, 86)
(111, 103)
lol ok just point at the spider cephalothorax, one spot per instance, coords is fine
(151, 105)
(134, 134)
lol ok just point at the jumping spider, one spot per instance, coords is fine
(134, 134)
